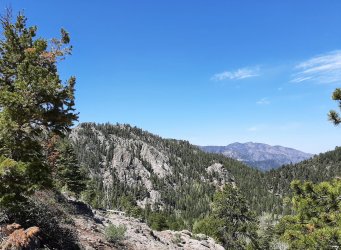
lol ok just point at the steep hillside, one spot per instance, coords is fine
(259, 155)
(322, 167)
(128, 164)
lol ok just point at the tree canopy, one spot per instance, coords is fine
(316, 222)
(34, 104)
(231, 221)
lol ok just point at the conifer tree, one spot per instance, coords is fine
(333, 115)
(68, 172)
(236, 222)
(316, 222)
(34, 102)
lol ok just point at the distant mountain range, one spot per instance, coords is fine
(259, 155)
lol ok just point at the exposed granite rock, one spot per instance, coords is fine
(90, 227)
(136, 162)
(140, 237)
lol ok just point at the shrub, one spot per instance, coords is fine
(158, 221)
(207, 226)
(13, 182)
(115, 233)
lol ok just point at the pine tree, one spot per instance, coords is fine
(68, 172)
(236, 222)
(33, 101)
(333, 115)
(316, 223)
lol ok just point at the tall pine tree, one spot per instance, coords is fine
(68, 172)
(236, 223)
(34, 103)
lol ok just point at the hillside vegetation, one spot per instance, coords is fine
(48, 170)
(322, 167)
(174, 175)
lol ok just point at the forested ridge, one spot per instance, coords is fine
(187, 194)
(188, 163)
(322, 167)
(264, 191)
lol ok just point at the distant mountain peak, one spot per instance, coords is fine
(259, 155)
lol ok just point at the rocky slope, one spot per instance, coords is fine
(140, 163)
(130, 165)
(88, 225)
(259, 155)
(141, 237)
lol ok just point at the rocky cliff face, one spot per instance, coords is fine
(259, 155)
(123, 157)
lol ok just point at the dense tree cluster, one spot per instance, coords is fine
(322, 167)
(316, 221)
(230, 221)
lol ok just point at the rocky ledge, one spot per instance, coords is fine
(138, 236)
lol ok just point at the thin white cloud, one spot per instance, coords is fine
(253, 129)
(263, 101)
(324, 68)
(257, 128)
(289, 126)
(238, 74)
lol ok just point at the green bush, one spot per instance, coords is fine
(207, 226)
(14, 184)
(115, 233)
(175, 223)
(158, 221)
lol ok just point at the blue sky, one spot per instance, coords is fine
(211, 72)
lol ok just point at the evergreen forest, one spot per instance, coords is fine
(48, 162)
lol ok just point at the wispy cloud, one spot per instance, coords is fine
(238, 74)
(263, 101)
(324, 68)
(289, 126)
(257, 128)
(253, 129)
